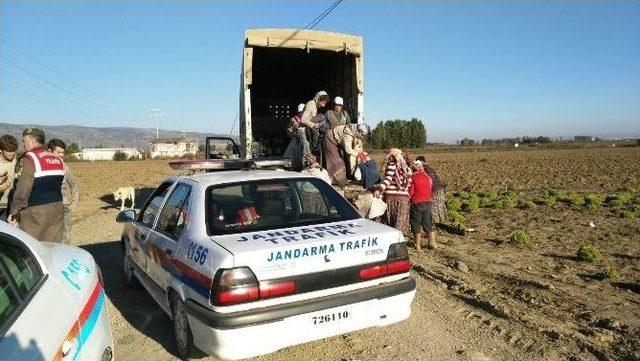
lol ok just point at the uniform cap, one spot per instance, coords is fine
(33, 131)
(338, 101)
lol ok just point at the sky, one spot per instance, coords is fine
(483, 69)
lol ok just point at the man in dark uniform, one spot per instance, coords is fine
(36, 206)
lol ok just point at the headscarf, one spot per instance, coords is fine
(319, 94)
(402, 176)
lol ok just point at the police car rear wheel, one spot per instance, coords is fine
(182, 332)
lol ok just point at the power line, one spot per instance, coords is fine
(115, 111)
(319, 18)
(77, 97)
(51, 95)
(26, 93)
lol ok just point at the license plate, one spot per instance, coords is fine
(330, 317)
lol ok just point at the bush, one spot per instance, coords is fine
(610, 274)
(526, 204)
(492, 193)
(618, 200)
(545, 200)
(470, 205)
(120, 156)
(588, 253)
(455, 217)
(593, 198)
(462, 194)
(453, 204)
(520, 238)
(563, 196)
(548, 192)
(509, 192)
(627, 215)
(592, 208)
(488, 203)
(576, 201)
(505, 203)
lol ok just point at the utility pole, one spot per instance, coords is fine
(156, 113)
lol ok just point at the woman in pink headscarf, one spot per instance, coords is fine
(395, 188)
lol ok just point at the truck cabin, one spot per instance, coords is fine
(283, 68)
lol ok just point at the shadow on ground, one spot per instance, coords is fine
(136, 306)
(141, 196)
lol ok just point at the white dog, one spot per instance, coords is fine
(124, 193)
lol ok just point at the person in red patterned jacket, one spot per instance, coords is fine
(36, 206)
(395, 188)
(421, 202)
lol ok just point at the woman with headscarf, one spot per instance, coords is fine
(395, 188)
(333, 150)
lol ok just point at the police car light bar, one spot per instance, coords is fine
(229, 164)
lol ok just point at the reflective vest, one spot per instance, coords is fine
(47, 176)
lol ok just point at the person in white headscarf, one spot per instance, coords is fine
(311, 109)
(338, 115)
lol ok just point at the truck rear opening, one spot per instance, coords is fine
(283, 68)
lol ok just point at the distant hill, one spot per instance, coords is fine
(105, 137)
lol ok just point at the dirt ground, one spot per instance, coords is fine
(480, 297)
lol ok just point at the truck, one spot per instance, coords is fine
(282, 68)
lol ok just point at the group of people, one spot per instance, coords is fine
(414, 195)
(37, 189)
(322, 132)
(411, 189)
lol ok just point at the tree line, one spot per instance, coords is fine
(507, 141)
(399, 133)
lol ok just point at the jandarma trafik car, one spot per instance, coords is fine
(247, 262)
(52, 302)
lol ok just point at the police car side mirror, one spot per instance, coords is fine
(128, 215)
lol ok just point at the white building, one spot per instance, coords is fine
(173, 147)
(106, 153)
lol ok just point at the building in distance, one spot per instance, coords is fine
(173, 147)
(106, 153)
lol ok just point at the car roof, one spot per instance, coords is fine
(232, 176)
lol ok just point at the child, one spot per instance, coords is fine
(421, 201)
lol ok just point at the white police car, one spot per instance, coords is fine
(247, 262)
(52, 303)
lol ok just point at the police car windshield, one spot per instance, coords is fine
(273, 204)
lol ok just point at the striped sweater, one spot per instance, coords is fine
(395, 184)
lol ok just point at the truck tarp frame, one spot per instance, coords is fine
(301, 39)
